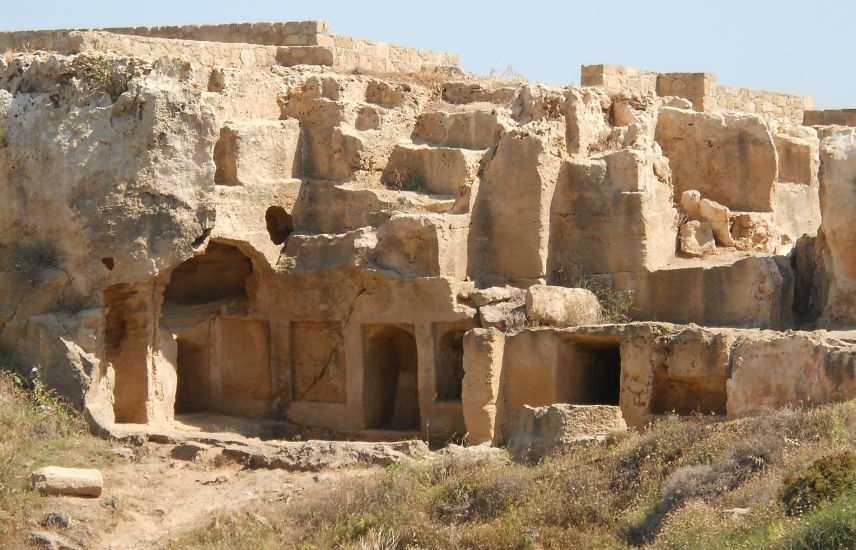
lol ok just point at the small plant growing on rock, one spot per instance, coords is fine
(107, 77)
(615, 305)
(824, 480)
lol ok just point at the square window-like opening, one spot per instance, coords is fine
(592, 376)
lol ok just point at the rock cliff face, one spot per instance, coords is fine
(272, 221)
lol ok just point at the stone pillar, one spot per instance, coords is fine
(483, 350)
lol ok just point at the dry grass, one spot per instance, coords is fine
(665, 488)
(35, 430)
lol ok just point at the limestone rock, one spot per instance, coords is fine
(491, 295)
(53, 541)
(541, 431)
(690, 200)
(718, 217)
(697, 239)
(483, 349)
(503, 315)
(75, 482)
(677, 102)
(752, 231)
(729, 157)
(562, 307)
(837, 195)
(315, 456)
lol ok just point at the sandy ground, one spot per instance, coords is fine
(151, 498)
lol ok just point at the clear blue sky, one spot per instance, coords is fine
(795, 46)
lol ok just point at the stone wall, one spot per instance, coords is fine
(291, 33)
(209, 54)
(617, 77)
(699, 88)
(246, 45)
(767, 104)
(841, 117)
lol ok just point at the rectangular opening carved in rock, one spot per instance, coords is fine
(390, 390)
(449, 364)
(194, 387)
(127, 337)
(592, 376)
(317, 358)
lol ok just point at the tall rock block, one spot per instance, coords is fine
(511, 215)
(836, 252)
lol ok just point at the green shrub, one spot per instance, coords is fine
(107, 77)
(831, 526)
(824, 480)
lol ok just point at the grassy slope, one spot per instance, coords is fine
(665, 488)
(35, 431)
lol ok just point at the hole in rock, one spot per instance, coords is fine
(450, 366)
(279, 224)
(594, 376)
(391, 396)
(216, 81)
(200, 240)
(108, 263)
(226, 158)
(220, 274)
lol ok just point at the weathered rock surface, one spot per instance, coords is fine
(250, 226)
(562, 307)
(541, 431)
(730, 158)
(313, 456)
(74, 482)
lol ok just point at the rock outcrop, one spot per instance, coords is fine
(271, 223)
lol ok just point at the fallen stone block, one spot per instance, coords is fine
(562, 307)
(696, 239)
(541, 431)
(74, 482)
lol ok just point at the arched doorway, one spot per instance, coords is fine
(390, 388)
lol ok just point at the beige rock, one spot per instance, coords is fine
(697, 239)
(516, 191)
(541, 431)
(837, 194)
(75, 482)
(753, 232)
(561, 307)
(466, 130)
(677, 103)
(256, 152)
(730, 158)
(298, 226)
(482, 367)
(719, 218)
(690, 202)
(485, 296)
